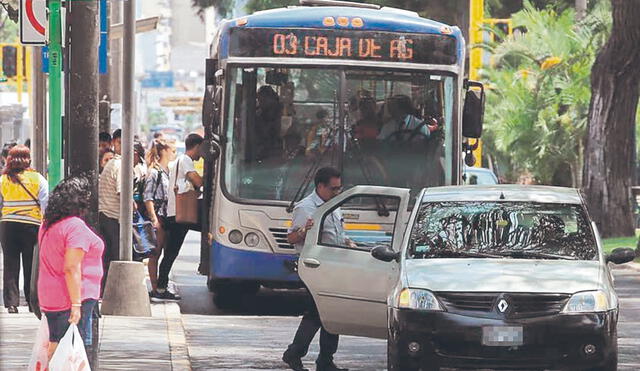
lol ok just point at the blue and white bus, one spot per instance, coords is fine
(377, 92)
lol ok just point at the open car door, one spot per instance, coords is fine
(349, 286)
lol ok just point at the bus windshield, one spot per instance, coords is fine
(380, 127)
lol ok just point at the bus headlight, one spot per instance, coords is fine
(252, 239)
(587, 302)
(419, 300)
(235, 236)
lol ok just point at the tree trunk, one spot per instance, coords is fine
(615, 85)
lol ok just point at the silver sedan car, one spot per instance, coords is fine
(499, 277)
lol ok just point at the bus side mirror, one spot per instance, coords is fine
(473, 112)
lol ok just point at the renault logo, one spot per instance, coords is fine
(503, 305)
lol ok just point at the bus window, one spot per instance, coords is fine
(277, 130)
(402, 125)
(281, 124)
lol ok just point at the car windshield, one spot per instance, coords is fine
(281, 123)
(522, 230)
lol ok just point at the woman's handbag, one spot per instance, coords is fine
(186, 203)
(144, 238)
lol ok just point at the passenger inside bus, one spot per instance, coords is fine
(267, 126)
(279, 128)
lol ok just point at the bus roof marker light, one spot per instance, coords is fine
(242, 22)
(343, 21)
(329, 21)
(357, 22)
(446, 30)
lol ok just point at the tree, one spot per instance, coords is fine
(8, 28)
(538, 96)
(12, 7)
(615, 82)
(223, 7)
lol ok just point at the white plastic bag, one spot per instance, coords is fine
(40, 352)
(70, 354)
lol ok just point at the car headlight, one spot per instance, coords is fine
(419, 300)
(588, 302)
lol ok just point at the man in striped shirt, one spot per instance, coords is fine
(109, 206)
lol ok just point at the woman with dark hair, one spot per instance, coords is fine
(23, 199)
(404, 123)
(70, 270)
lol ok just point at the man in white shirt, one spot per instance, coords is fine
(328, 185)
(183, 177)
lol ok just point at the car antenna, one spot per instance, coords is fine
(502, 196)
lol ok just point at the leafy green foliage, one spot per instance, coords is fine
(539, 93)
(223, 7)
(9, 29)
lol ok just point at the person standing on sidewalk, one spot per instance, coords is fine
(70, 271)
(328, 185)
(23, 199)
(109, 205)
(156, 197)
(184, 178)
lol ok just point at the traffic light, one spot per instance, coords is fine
(9, 61)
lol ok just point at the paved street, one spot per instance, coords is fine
(251, 338)
(255, 342)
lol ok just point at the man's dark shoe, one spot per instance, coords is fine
(12, 309)
(328, 366)
(294, 363)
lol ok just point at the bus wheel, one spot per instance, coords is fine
(229, 295)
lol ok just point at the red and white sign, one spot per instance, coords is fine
(33, 22)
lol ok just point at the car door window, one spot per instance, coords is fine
(360, 223)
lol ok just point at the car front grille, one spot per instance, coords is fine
(280, 234)
(467, 302)
(520, 305)
(536, 305)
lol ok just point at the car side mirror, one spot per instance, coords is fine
(473, 112)
(621, 255)
(385, 253)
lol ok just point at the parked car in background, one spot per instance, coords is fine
(478, 176)
(499, 277)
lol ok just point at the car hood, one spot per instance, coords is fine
(504, 275)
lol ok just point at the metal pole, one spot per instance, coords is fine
(82, 120)
(128, 116)
(39, 136)
(55, 94)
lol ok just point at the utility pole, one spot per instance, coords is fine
(82, 119)
(39, 142)
(55, 93)
(128, 118)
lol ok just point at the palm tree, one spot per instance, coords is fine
(539, 92)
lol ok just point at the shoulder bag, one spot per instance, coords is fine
(186, 203)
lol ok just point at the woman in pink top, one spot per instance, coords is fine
(70, 262)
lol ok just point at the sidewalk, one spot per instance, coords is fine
(126, 343)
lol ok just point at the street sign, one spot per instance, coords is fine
(45, 59)
(33, 22)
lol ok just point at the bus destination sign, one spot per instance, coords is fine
(343, 44)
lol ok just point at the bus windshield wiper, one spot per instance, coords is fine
(526, 254)
(462, 254)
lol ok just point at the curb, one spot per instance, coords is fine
(178, 347)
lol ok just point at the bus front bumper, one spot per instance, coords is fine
(266, 267)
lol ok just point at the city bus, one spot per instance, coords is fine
(378, 93)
